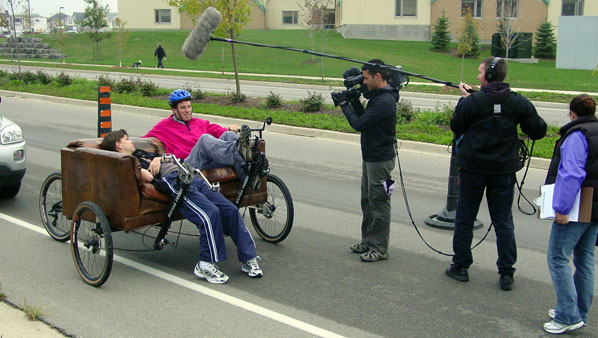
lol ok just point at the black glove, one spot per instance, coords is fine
(339, 97)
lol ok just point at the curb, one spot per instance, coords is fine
(536, 163)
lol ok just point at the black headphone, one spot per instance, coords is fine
(491, 73)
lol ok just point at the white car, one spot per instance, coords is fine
(12, 158)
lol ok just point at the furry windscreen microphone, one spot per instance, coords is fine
(198, 39)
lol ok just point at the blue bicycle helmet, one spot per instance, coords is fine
(178, 96)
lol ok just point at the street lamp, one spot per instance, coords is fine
(60, 18)
(60, 27)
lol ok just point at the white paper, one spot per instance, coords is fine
(546, 210)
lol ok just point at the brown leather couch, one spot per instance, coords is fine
(112, 180)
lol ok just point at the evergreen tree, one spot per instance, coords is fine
(545, 41)
(441, 36)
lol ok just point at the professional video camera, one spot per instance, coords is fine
(355, 87)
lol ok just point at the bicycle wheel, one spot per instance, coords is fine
(91, 243)
(50, 208)
(273, 220)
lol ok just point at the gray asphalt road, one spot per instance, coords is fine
(311, 277)
(553, 113)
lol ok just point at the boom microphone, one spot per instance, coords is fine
(197, 40)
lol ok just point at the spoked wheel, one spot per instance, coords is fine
(91, 243)
(50, 208)
(273, 220)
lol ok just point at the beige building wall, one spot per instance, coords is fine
(256, 20)
(140, 14)
(381, 12)
(276, 7)
(531, 14)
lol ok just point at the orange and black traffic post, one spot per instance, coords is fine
(104, 111)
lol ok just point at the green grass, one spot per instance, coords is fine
(415, 57)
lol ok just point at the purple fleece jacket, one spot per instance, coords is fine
(571, 173)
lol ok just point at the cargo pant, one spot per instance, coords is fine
(375, 204)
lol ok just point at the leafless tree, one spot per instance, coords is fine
(509, 27)
(12, 5)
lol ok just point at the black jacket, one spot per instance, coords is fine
(160, 53)
(490, 144)
(377, 123)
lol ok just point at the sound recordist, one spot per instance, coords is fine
(486, 122)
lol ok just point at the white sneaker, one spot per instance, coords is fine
(251, 268)
(211, 273)
(556, 328)
(552, 313)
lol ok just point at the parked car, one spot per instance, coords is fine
(12, 158)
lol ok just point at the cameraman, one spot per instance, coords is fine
(377, 124)
(488, 155)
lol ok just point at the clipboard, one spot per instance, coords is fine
(583, 211)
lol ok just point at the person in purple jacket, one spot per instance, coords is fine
(574, 165)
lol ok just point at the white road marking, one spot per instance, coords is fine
(198, 288)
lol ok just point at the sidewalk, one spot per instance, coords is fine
(14, 324)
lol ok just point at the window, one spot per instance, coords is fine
(162, 15)
(474, 6)
(406, 7)
(507, 8)
(290, 17)
(572, 8)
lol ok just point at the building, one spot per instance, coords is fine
(372, 19)
(156, 14)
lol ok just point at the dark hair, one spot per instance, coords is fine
(583, 105)
(500, 67)
(110, 139)
(374, 69)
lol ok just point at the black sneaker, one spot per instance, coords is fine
(243, 143)
(459, 274)
(506, 282)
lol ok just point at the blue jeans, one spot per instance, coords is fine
(499, 194)
(574, 292)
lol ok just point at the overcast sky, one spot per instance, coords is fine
(50, 7)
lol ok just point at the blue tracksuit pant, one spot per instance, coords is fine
(214, 216)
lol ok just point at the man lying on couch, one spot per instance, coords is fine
(211, 212)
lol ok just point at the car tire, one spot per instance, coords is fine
(10, 191)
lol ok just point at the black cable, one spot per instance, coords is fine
(411, 216)
(526, 156)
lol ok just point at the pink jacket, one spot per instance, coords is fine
(179, 138)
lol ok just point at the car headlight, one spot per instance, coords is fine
(11, 134)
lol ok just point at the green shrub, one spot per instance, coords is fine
(313, 102)
(273, 100)
(43, 78)
(63, 79)
(238, 97)
(405, 111)
(197, 94)
(3, 74)
(126, 86)
(29, 77)
(15, 76)
(148, 88)
(104, 80)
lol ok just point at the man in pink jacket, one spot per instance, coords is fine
(202, 144)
